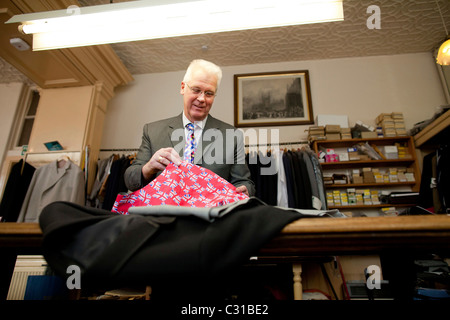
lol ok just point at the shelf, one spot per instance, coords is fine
(349, 142)
(433, 129)
(369, 163)
(373, 206)
(364, 185)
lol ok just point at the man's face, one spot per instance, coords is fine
(197, 105)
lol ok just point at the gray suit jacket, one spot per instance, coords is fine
(51, 184)
(221, 150)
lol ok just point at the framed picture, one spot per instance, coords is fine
(272, 99)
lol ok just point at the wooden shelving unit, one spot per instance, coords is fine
(410, 162)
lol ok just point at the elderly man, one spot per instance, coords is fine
(194, 136)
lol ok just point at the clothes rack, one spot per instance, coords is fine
(288, 178)
(277, 144)
(119, 149)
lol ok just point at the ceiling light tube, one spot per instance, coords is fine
(150, 19)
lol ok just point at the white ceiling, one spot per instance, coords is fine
(407, 26)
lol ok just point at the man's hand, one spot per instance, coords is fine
(242, 189)
(159, 161)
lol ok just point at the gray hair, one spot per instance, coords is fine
(207, 66)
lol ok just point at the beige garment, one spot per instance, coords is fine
(50, 184)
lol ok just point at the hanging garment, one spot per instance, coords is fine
(303, 183)
(49, 184)
(282, 197)
(264, 175)
(295, 182)
(15, 191)
(443, 177)
(103, 171)
(290, 180)
(318, 181)
(427, 183)
(184, 185)
(116, 182)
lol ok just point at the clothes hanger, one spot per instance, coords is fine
(62, 160)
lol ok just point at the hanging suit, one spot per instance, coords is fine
(49, 184)
(15, 191)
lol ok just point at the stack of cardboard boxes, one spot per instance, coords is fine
(385, 121)
(353, 197)
(316, 133)
(333, 131)
(346, 133)
(368, 175)
(392, 124)
(399, 123)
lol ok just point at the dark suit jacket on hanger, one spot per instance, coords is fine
(214, 150)
(16, 190)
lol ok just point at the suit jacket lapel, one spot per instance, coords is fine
(205, 145)
(176, 123)
(55, 174)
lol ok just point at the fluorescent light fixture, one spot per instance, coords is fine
(150, 19)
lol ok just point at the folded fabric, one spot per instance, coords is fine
(212, 213)
(185, 185)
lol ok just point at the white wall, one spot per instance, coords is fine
(10, 94)
(361, 88)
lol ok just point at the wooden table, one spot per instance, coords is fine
(302, 239)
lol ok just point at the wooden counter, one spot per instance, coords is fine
(298, 241)
(310, 236)
(362, 235)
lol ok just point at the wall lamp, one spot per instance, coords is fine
(152, 19)
(443, 55)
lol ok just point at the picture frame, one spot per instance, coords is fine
(272, 99)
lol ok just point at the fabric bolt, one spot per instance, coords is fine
(189, 151)
(184, 185)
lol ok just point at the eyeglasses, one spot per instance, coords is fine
(197, 91)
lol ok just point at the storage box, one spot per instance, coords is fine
(333, 136)
(343, 156)
(357, 179)
(390, 152)
(368, 135)
(324, 119)
(332, 128)
(353, 156)
(331, 158)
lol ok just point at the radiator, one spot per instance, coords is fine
(25, 266)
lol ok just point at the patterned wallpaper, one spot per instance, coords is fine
(406, 27)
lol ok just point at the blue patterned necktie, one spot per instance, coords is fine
(190, 144)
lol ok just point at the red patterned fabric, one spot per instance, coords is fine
(183, 185)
